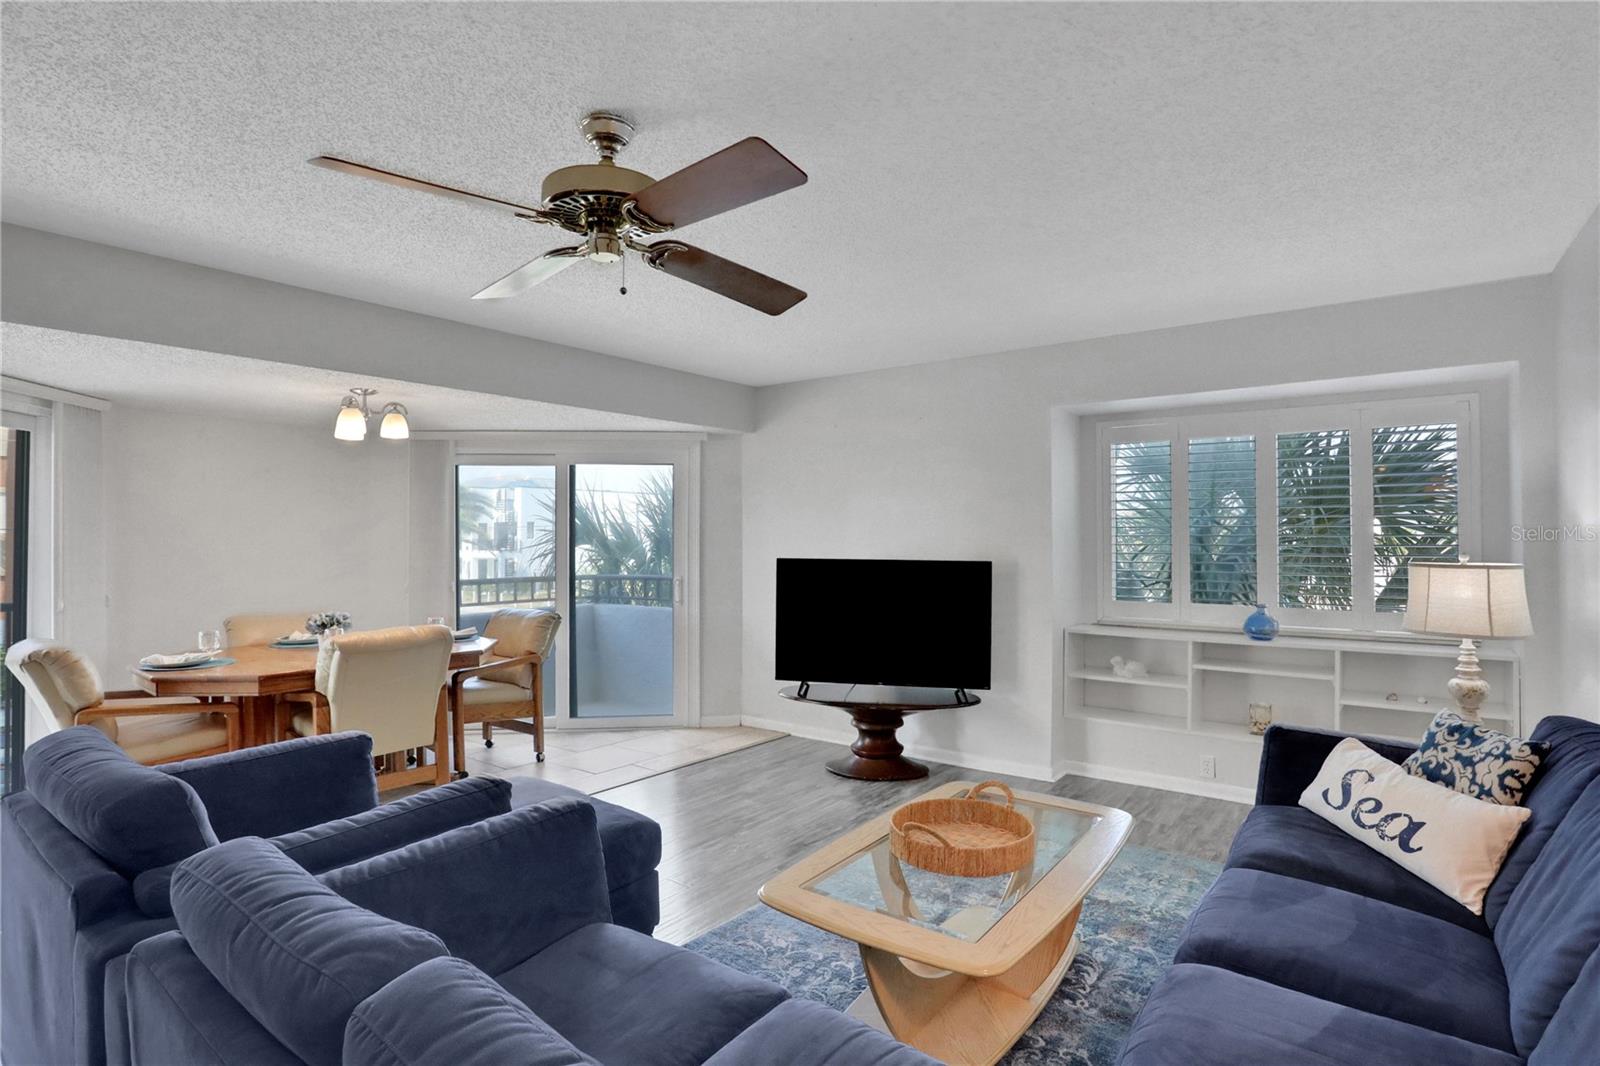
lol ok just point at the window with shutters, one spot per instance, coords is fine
(1316, 512)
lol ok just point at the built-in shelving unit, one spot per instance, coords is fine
(1201, 682)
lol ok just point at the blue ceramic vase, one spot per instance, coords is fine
(1260, 625)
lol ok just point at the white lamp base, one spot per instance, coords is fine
(1468, 687)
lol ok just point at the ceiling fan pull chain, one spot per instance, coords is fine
(624, 261)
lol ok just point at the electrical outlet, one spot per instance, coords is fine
(1208, 767)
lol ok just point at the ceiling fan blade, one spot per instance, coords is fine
(389, 177)
(532, 273)
(723, 276)
(739, 174)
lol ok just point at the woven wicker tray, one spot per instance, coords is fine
(963, 837)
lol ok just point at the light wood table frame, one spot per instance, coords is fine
(261, 673)
(964, 1002)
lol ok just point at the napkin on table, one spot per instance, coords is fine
(176, 659)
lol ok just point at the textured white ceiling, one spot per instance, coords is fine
(180, 379)
(983, 176)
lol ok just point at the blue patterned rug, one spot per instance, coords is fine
(1129, 930)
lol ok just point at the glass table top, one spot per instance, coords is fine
(961, 907)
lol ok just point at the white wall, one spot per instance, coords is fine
(208, 516)
(721, 580)
(953, 460)
(1577, 285)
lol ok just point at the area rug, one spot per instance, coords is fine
(1129, 931)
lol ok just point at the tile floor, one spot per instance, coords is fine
(597, 759)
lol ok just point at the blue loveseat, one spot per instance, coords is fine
(90, 847)
(469, 948)
(1313, 949)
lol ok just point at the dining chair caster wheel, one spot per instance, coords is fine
(488, 743)
(539, 757)
(460, 775)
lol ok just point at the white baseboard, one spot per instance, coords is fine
(1169, 782)
(844, 735)
(720, 721)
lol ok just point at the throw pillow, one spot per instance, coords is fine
(1476, 761)
(1452, 841)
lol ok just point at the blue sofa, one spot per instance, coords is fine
(467, 948)
(90, 847)
(1312, 948)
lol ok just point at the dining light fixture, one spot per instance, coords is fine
(354, 416)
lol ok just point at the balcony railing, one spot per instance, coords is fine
(630, 589)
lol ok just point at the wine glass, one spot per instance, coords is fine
(210, 640)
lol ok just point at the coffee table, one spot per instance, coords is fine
(957, 967)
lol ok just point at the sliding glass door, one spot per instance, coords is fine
(13, 594)
(597, 537)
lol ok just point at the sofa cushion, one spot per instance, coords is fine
(1319, 940)
(396, 824)
(802, 1032)
(449, 1011)
(1296, 843)
(294, 954)
(1573, 762)
(1470, 758)
(497, 892)
(623, 997)
(1453, 841)
(1551, 926)
(631, 842)
(1574, 1030)
(134, 817)
(1206, 1016)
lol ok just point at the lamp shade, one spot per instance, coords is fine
(351, 423)
(1468, 600)
(394, 425)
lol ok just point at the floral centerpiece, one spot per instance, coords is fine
(328, 623)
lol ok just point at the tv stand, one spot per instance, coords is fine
(878, 712)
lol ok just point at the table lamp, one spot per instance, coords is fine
(1471, 601)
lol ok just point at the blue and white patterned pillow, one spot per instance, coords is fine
(1470, 758)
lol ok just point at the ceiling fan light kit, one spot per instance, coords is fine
(615, 209)
(354, 415)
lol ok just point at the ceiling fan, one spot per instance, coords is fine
(615, 209)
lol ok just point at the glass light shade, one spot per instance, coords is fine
(351, 423)
(394, 426)
(1472, 600)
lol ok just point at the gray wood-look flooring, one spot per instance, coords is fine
(730, 823)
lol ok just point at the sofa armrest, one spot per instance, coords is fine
(497, 892)
(422, 1017)
(274, 789)
(1291, 756)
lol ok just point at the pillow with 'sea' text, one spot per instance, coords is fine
(1452, 841)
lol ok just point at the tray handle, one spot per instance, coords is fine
(1011, 799)
(934, 833)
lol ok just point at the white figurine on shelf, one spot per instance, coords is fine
(1130, 668)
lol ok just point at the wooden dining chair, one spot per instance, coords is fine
(67, 686)
(510, 689)
(388, 683)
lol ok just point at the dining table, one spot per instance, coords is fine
(260, 673)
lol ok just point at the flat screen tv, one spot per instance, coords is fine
(904, 622)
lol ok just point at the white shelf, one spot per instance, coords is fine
(1152, 680)
(1231, 730)
(1306, 673)
(1170, 723)
(1342, 673)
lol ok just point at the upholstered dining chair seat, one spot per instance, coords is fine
(157, 738)
(476, 691)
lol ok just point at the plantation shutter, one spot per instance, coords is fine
(1141, 525)
(1222, 520)
(1313, 486)
(1415, 504)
